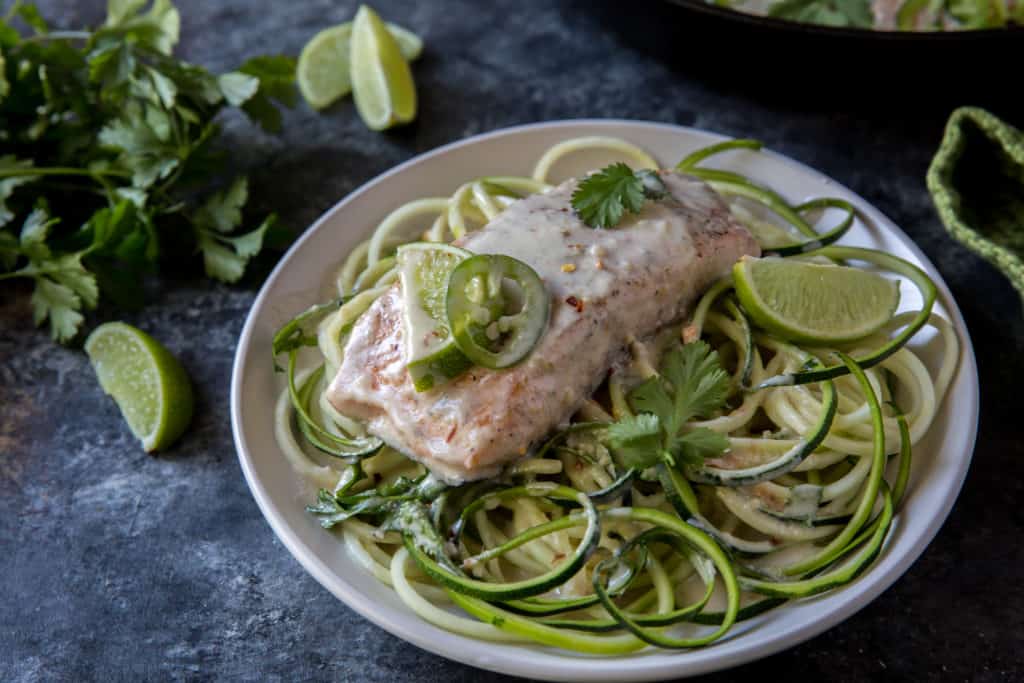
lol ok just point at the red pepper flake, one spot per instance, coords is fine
(575, 303)
(451, 434)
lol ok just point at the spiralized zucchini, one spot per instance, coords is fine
(569, 548)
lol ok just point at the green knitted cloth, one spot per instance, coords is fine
(977, 182)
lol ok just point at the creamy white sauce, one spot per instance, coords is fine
(606, 286)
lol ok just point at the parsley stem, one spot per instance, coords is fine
(19, 273)
(60, 170)
(58, 35)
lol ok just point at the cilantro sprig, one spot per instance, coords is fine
(602, 198)
(691, 384)
(110, 150)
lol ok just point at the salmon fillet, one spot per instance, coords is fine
(607, 287)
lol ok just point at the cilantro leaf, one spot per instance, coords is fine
(601, 198)
(34, 232)
(700, 384)
(651, 396)
(62, 284)
(158, 28)
(111, 118)
(237, 87)
(119, 11)
(143, 152)
(222, 211)
(219, 261)
(637, 440)
(58, 303)
(225, 257)
(693, 447)
(691, 384)
(276, 74)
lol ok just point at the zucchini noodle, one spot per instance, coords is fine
(569, 547)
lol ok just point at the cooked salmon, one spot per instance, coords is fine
(607, 287)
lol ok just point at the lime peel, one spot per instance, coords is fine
(814, 303)
(382, 82)
(431, 354)
(324, 69)
(146, 381)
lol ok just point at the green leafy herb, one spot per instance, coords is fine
(292, 335)
(332, 508)
(602, 198)
(691, 384)
(116, 139)
(637, 439)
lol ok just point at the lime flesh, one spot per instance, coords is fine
(148, 384)
(814, 303)
(382, 83)
(324, 69)
(431, 354)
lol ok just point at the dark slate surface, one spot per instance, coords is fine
(119, 566)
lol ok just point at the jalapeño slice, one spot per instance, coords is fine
(497, 309)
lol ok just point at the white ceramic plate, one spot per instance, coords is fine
(303, 277)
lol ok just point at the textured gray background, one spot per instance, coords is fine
(115, 565)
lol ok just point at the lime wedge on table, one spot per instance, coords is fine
(324, 69)
(382, 82)
(431, 354)
(814, 303)
(147, 382)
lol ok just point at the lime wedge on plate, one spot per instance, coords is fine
(324, 71)
(814, 303)
(382, 82)
(431, 355)
(147, 382)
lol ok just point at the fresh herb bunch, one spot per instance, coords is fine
(602, 198)
(108, 153)
(691, 384)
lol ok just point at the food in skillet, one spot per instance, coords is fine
(889, 15)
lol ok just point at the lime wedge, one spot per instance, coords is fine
(147, 382)
(431, 355)
(323, 71)
(382, 82)
(410, 44)
(814, 303)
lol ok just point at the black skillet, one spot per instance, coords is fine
(860, 34)
(799, 65)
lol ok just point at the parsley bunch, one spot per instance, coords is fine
(108, 154)
(691, 384)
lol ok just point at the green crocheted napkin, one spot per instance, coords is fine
(977, 182)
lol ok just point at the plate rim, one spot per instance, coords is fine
(361, 604)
